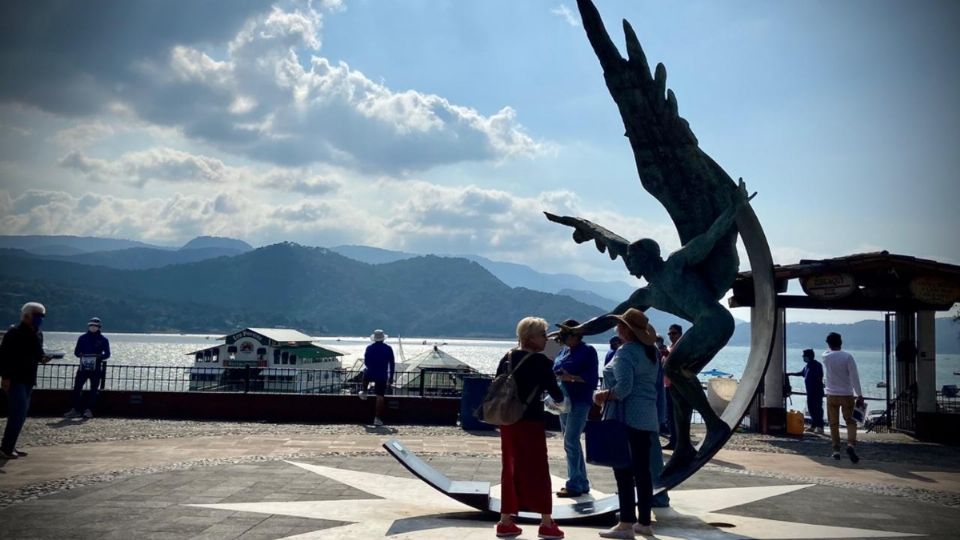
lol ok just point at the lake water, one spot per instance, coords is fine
(175, 349)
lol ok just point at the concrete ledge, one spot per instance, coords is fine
(330, 409)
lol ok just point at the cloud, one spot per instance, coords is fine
(564, 13)
(162, 164)
(300, 181)
(83, 134)
(157, 164)
(253, 84)
(406, 215)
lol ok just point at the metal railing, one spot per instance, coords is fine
(426, 382)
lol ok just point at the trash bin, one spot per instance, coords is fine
(474, 390)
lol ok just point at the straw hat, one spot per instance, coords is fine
(637, 321)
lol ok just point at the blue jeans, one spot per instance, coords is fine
(660, 500)
(572, 425)
(19, 401)
(83, 375)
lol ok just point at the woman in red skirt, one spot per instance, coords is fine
(526, 474)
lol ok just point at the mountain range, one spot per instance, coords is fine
(312, 289)
(197, 288)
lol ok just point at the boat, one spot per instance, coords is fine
(266, 360)
(715, 373)
(433, 372)
(882, 384)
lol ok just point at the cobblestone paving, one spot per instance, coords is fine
(41, 432)
(885, 447)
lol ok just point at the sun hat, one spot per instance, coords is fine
(94, 321)
(566, 328)
(637, 321)
(378, 335)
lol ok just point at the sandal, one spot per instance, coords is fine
(566, 493)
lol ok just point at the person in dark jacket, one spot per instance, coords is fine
(20, 353)
(378, 368)
(525, 473)
(812, 374)
(615, 343)
(93, 348)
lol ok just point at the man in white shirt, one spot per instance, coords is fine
(843, 392)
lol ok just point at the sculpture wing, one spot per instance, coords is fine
(584, 230)
(672, 167)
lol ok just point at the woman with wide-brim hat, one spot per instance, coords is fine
(630, 395)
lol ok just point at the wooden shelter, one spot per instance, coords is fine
(910, 290)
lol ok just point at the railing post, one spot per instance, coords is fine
(423, 381)
(246, 379)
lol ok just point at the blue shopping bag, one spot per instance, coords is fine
(607, 443)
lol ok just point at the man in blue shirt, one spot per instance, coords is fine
(378, 364)
(812, 374)
(92, 349)
(577, 368)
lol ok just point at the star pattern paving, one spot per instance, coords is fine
(406, 508)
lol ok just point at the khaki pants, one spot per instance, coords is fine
(834, 404)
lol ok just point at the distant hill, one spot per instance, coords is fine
(218, 242)
(312, 289)
(68, 245)
(141, 258)
(515, 275)
(863, 335)
(372, 255)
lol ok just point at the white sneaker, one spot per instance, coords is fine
(617, 532)
(72, 413)
(87, 414)
(645, 530)
(377, 422)
(362, 395)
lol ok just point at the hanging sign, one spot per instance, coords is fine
(935, 291)
(828, 286)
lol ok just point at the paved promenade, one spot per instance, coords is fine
(166, 479)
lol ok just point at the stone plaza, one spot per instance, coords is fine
(122, 478)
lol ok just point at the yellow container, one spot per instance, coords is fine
(794, 423)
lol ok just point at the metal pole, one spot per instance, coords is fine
(886, 356)
(246, 379)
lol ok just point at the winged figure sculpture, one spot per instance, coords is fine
(703, 202)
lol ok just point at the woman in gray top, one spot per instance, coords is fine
(630, 396)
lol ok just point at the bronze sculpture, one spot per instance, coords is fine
(703, 202)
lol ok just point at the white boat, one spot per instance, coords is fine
(267, 360)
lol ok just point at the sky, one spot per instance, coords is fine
(436, 126)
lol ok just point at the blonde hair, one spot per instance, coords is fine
(530, 327)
